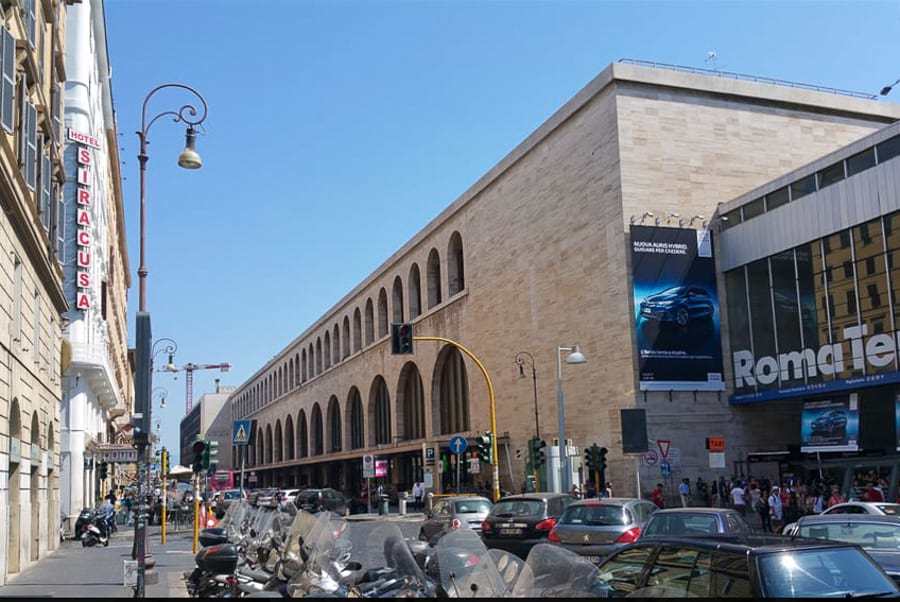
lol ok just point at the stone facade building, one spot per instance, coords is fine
(209, 418)
(97, 385)
(32, 45)
(534, 256)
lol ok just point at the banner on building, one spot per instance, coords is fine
(831, 425)
(676, 308)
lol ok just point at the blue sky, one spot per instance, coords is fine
(337, 130)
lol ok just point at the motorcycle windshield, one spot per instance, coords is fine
(514, 572)
(321, 550)
(557, 572)
(466, 567)
(233, 519)
(301, 527)
(388, 548)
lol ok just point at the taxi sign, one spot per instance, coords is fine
(240, 433)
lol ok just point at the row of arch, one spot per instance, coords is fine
(356, 425)
(352, 334)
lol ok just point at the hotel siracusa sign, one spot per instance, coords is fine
(83, 196)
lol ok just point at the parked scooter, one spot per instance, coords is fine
(85, 518)
(96, 531)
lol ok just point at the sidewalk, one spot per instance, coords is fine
(77, 572)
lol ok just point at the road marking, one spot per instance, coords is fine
(178, 552)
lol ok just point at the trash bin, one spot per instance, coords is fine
(404, 497)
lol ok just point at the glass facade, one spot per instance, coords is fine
(824, 312)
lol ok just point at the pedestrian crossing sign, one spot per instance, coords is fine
(240, 434)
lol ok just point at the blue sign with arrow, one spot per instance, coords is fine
(240, 433)
(459, 445)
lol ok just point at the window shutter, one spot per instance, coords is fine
(23, 123)
(32, 157)
(8, 86)
(28, 7)
(46, 176)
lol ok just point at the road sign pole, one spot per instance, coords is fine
(243, 452)
(458, 458)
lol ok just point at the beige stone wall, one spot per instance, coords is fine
(546, 263)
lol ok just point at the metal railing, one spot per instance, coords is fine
(750, 78)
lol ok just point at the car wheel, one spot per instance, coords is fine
(682, 317)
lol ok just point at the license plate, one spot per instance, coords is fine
(594, 559)
(510, 531)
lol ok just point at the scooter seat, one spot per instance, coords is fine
(255, 574)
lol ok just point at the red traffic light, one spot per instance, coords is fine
(198, 447)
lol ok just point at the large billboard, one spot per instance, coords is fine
(831, 425)
(676, 309)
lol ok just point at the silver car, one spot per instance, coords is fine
(597, 528)
(462, 512)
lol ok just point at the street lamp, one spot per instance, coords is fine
(162, 398)
(887, 89)
(169, 347)
(520, 361)
(574, 357)
(144, 351)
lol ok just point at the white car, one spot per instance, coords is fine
(289, 495)
(877, 508)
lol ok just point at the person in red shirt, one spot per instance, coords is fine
(872, 494)
(658, 497)
(836, 497)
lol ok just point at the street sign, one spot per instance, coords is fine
(368, 467)
(240, 433)
(381, 468)
(474, 466)
(252, 477)
(115, 453)
(459, 445)
(665, 469)
(715, 444)
(651, 458)
(429, 456)
(663, 445)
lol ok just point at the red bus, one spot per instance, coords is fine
(223, 480)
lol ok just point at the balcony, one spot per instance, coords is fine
(93, 361)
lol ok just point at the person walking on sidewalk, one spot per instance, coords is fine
(418, 491)
(776, 510)
(684, 491)
(763, 509)
(658, 497)
(737, 498)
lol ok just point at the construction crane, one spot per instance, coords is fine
(189, 370)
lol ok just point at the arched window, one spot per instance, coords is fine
(370, 322)
(456, 275)
(296, 370)
(337, 345)
(303, 366)
(450, 395)
(382, 313)
(434, 278)
(379, 413)
(284, 379)
(259, 457)
(270, 448)
(318, 441)
(279, 442)
(318, 356)
(302, 435)
(410, 403)
(312, 361)
(335, 435)
(289, 438)
(346, 336)
(326, 348)
(415, 292)
(397, 300)
(357, 330)
(355, 419)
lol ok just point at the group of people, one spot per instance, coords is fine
(774, 504)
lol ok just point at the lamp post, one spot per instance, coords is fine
(887, 89)
(520, 361)
(144, 352)
(575, 357)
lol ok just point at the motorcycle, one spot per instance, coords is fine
(96, 532)
(84, 518)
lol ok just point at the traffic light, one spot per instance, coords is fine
(483, 447)
(104, 470)
(211, 459)
(199, 449)
(540, 452)
(601, 460)
(164, 462)
(590, 457)
(401, 339)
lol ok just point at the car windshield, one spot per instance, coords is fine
(518, 508)
(681, 523)
(232, 495)
(603, 515)
(889, 509)
(472, 507)
(671, 292)
(876, 535)
(828, 572)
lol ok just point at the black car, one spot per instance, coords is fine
(519, 522)
(678, 305)
(317, 500)
(879, 536)
(742, 567)
(695, 522)
(831, 423)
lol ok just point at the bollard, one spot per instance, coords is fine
(429, 501)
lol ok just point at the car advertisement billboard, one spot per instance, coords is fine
(897, 420)
(676, 309)
(830, 425)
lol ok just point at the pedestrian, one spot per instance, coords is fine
(873, 493)
(776, 510)
(818, 506)
(418, 492)
(609, 490)
(738, 499)
(575, 493)
(684, 492)
(658, 497)
(702, 492)
(836, 497)
(763, 510)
